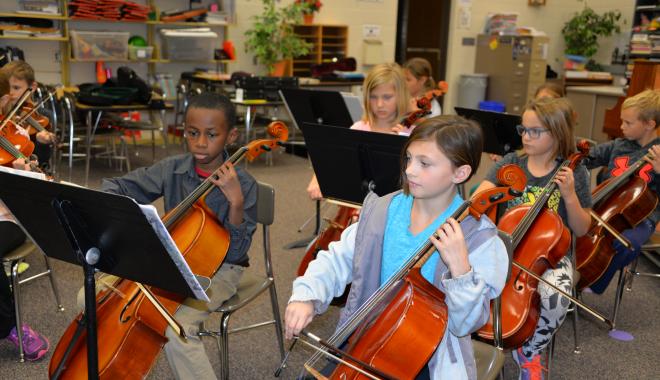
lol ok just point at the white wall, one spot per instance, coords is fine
(549, 18)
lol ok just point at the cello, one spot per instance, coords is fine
(397, 329)
(621, 203)
(132, 319)
(424, 104)
(539, 240)
(347, 215)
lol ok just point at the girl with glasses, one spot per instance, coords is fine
(547, 136)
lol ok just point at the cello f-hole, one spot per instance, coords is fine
(121, 315)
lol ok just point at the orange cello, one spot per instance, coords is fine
(539, 240)
(397, 330)
(130, 328)
(621, 202)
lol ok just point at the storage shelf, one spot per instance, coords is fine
(34, 38)
(33, 15)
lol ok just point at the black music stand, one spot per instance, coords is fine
(499, 129)
(348, 163)
(315, 106)
(98, 231)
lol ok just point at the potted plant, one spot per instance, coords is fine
(271, 37)
(308, 8)
(581, 34)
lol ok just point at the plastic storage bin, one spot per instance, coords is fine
(490, 105)
(94, 45)
(136, 53)
(189, 45)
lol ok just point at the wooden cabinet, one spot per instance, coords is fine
(328, 42)
(515, 66)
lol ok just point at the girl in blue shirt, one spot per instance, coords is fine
(469, 266)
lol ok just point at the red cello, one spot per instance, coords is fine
(540, 240)
(131, 330)
(395, 332)
(620, 202)
(424, 104)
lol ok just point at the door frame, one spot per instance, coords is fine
(401, 34)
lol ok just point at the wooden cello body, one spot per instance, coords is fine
(622, 202)
(545, 243)
(540, 240)
(397, 330)
(130, 329)
(394, 342)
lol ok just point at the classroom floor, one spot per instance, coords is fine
(253, 354)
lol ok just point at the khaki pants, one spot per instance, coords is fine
(187, 358)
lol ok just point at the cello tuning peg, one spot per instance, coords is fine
(266, 148)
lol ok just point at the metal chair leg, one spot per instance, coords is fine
(576, 347)
(17, 308)
(619, 294)
(631, 273)
(278, 319)
(223, 346)
(53, 284)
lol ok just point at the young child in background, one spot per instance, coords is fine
(547, 134)
(546, 90)
(419, 80)
(385, 102)
(20, 76)
(640, 116)
(470, 268)
(209, 127)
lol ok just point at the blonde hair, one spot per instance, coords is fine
(459, 139)
(420, 67)
(647, 104)
(20, 70)
(385, 73)
(556, 114)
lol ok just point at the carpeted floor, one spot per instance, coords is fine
(254, 355)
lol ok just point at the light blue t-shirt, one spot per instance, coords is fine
(400, 244)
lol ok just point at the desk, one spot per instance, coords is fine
(591, 102)
(155, 114)
(251, 107)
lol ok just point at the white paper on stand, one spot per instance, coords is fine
(152, 217)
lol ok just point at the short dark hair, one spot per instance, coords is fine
(459, 139)
(215, 101)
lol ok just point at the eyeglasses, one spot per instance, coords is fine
(533, 133)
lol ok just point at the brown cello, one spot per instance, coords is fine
(621, 203)
(395, 332)
(539, 240)
(131, 318)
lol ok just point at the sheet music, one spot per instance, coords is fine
(152, 217)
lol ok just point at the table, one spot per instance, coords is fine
(155, 114)
(251, 107)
